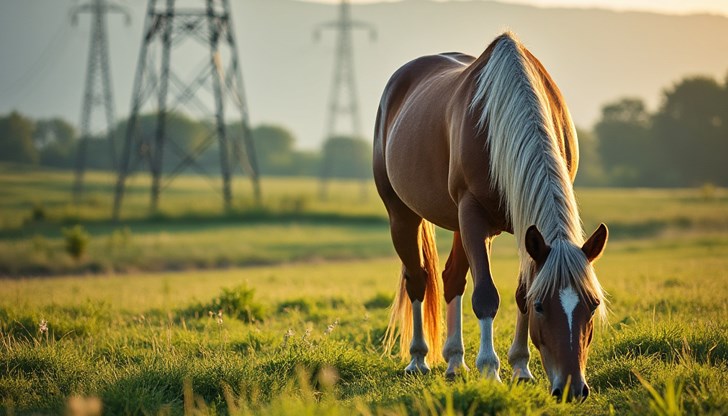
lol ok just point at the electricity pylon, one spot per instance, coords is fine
(166, 28)
(343, 82)
(98, 91)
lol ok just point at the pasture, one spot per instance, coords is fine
(280, 308)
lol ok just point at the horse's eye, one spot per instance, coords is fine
(538, 307)
(594, 307)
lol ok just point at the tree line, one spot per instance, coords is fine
(683, 143)
(54, 143)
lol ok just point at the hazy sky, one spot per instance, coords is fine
(43, 57)
(663, 6)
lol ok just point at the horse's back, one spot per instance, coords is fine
(411, 146)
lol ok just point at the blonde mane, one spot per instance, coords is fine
(529, 171)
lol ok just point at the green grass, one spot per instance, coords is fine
(301, 324)
(146, 343)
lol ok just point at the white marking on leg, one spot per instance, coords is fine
(418, 346)
(454, 350)
(487, 361)
(569, 300)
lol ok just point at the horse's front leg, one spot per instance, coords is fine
(476, 234)
(518, 354)
(454, 281)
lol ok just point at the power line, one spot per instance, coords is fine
(97, 92)
(55, 46)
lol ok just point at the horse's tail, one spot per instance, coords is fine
(401, 312)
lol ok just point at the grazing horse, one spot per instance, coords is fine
(480, 146)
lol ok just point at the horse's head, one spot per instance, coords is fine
(561, 300)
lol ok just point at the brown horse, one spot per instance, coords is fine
(481, 146)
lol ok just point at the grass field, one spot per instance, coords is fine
(301, 324)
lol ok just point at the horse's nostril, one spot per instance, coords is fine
(556, 393)
(585, 391)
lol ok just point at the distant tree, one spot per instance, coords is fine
(692, 128)
(16, 139)
(347, 157)
(624, 142)
(306, 163)
(183, 135)
(55, 140)
(274, 149)
(591, 171)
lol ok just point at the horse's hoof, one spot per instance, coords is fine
(455, 370)
(417, 367)
(525, 380)
(454, 375)
(490, 374)
(416, 371)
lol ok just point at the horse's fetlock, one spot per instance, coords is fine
(452, 350)
(418, 348)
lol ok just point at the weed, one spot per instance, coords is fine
(667, 404)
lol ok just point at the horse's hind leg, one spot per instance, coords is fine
(405, 226)
(454, 281)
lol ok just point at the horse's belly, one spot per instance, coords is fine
(418, 172)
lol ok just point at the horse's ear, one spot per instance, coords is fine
(536, 246)
(521, 293)
(594, 246)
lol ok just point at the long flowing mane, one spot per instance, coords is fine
(528, 168)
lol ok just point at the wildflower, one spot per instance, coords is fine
(287, 335)
(307, 334)
(219, 317)
(43, 327)
(331, 327)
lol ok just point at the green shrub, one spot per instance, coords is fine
(38, 213)
(305, 306)
(380, 301)
(76, 241)
(237, 302)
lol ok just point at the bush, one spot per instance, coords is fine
(234, 302)
(38, 213)
(380, 301)
(76, 241)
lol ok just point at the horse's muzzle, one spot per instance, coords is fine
(578, 390)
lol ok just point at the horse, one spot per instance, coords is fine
(481, 146)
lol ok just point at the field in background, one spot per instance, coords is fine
(298, 330)
(191, 230)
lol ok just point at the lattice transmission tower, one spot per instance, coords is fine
(98, 90)
(343, 99)
(203, 29)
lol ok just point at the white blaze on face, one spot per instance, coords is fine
(569, 300)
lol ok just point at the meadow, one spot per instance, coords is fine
(280, 308)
